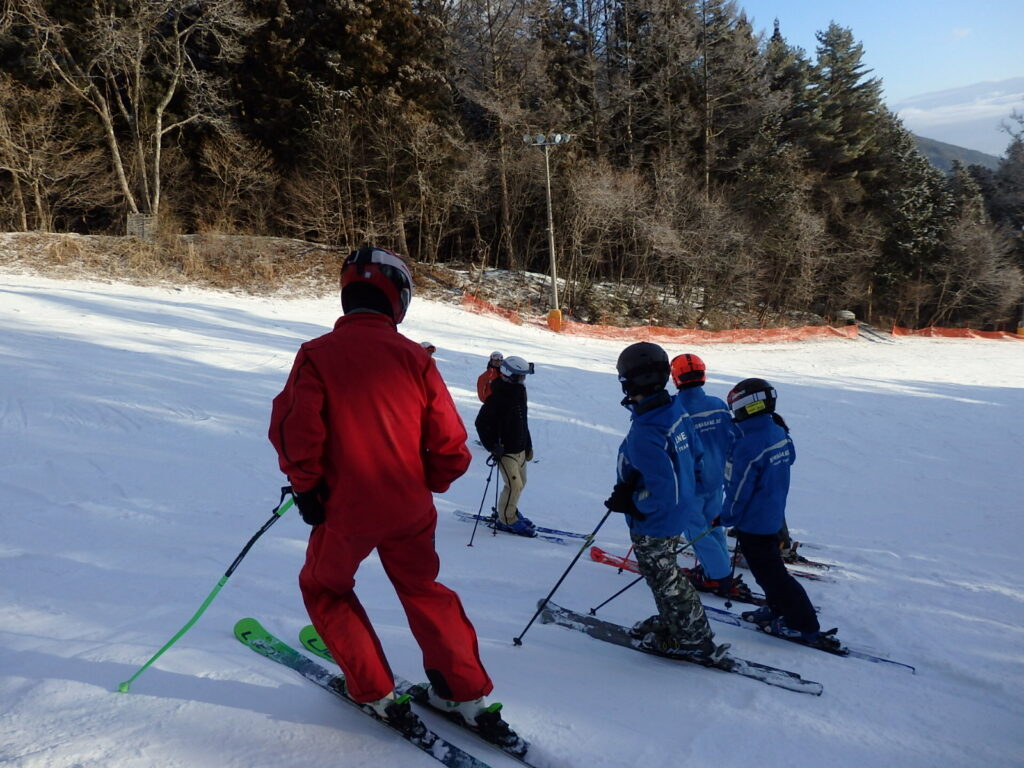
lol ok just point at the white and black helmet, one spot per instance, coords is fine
(751, 397)
(515, 368)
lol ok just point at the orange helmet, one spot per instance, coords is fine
(688, 371)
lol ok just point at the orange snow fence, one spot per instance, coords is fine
(693, 336)
(671, 335)
(481, 307)
(955, 333)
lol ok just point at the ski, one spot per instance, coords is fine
(541, 528)
(791, 559)
(728, 617)
(731, 533)
(548, 534)
(252, 634)
(312, 642)
(598, 555)
(619, 635)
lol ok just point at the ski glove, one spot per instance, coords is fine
(621, 500)
(311, 504)
(498, 450)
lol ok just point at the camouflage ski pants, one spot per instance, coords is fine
(674, 595)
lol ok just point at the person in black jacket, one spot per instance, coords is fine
(504, 431)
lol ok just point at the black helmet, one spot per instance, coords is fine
(751, 397)
(643, 369)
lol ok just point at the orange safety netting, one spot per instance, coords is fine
(671, 335)
(955, 333)
(472, 303)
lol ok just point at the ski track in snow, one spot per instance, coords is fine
(134, 466)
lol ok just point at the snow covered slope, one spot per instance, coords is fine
(134, 466)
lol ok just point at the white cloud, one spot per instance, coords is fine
(959, 33)
(969, 116)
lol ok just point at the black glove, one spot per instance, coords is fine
(311, 504)
(621, 500)
(717, 522)
(498, 450)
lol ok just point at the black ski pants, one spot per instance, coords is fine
(784, 594)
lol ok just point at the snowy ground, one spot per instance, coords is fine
(134, 466)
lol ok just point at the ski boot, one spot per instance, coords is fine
(651, 624)
(730, 587)
(762, 617)
(521, 527)
(789, 551)
(483, 718)
(527, 521)
(701, 651)
(827, 641)
(397, 712)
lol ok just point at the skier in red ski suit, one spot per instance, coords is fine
(365, 429)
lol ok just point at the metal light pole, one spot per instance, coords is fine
(546, 143)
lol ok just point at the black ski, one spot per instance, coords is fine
(251, 633)
(619, 635)
(728, 617)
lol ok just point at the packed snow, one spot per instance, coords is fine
(134, 467)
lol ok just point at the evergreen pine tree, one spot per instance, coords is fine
(653, 80)
(850, 106)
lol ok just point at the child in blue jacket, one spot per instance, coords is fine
(756, 486)
(656, 485)
(712, 421)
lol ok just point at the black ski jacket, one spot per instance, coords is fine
(502, 418)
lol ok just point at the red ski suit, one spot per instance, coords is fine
(366, 412)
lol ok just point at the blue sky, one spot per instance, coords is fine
(915, 46)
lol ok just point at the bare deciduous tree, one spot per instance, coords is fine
(54, 171)
(129, 61)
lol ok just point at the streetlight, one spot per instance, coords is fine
(547, 142)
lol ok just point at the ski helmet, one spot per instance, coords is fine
(751, 397)
(495, 359)
(515, 368)
(383, 270)
(643, 369)
(688, 371)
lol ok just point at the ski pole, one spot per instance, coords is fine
(602, 605)
(540, 607)
(479, 512)
(494, 525)
(681, 549)
(279, 510)
(622, 568)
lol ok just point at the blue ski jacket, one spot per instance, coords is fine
(757, 476)
(660, 453)
(712, 421)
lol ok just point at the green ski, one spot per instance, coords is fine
(313, 643)
(251, 633)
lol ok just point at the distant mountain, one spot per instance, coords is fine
(942, 154)
(965, 117)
